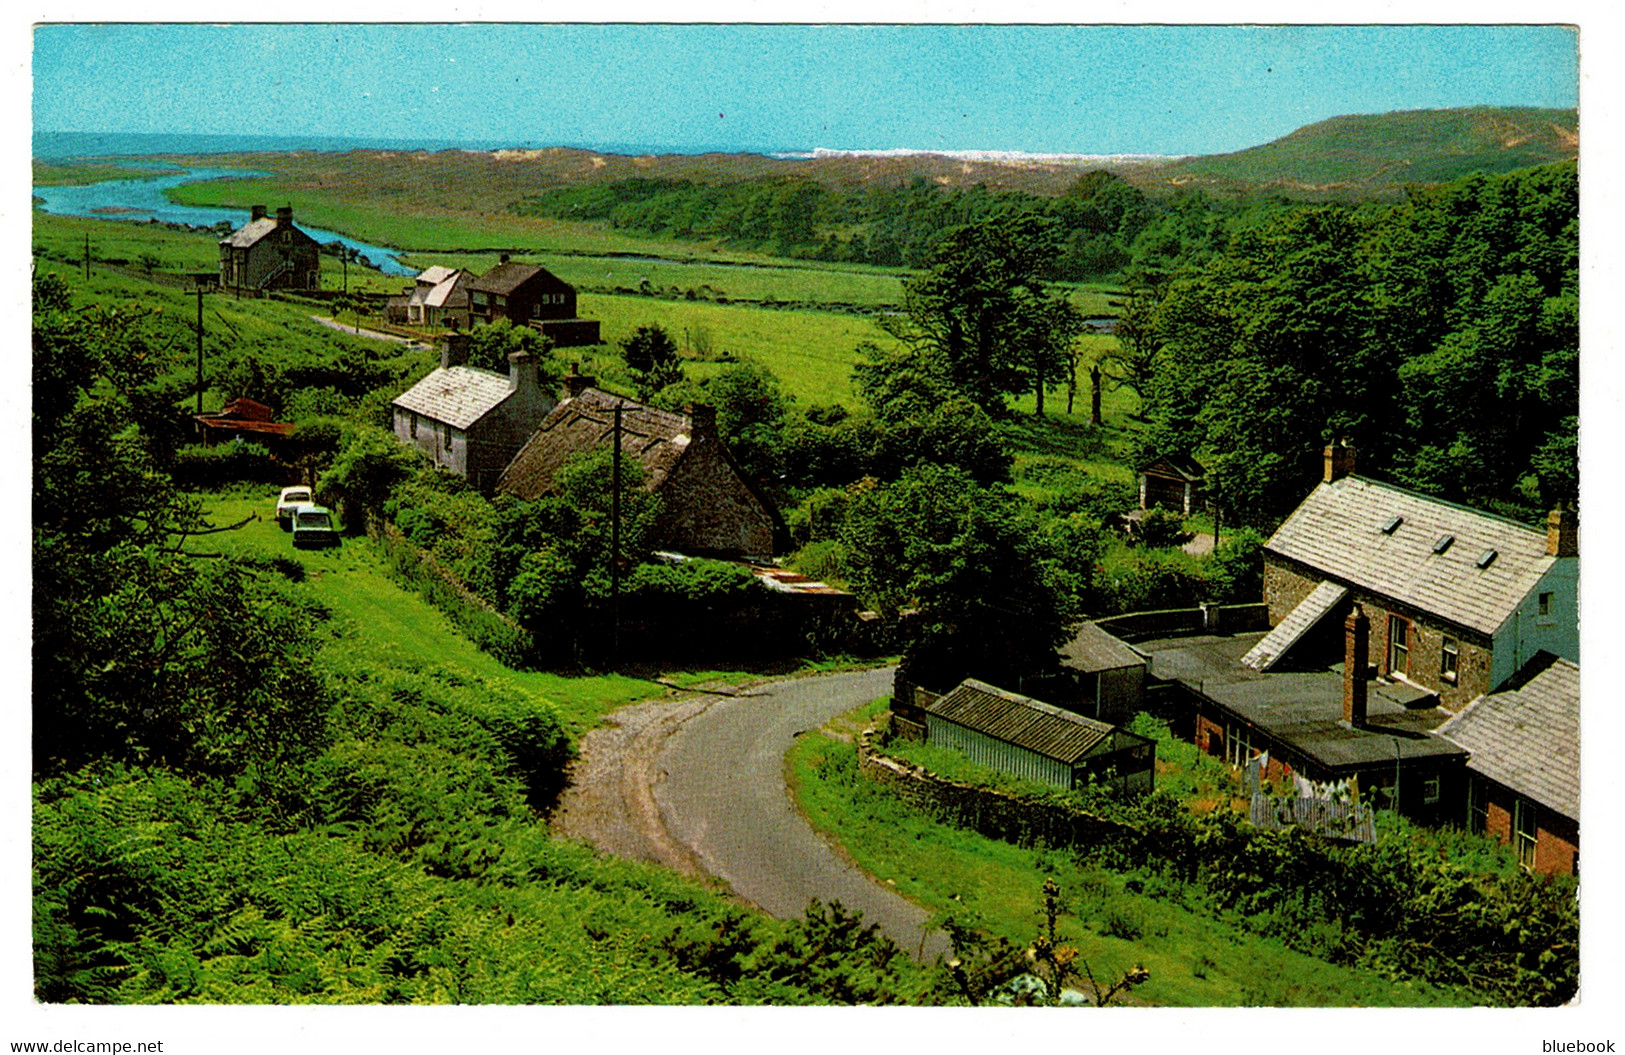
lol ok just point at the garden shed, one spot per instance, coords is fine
(1036, 741)
(1108, 675)
(1174, 482)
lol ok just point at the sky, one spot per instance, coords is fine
(1031, 88)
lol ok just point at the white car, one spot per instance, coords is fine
(287, 500)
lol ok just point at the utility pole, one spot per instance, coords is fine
(87, 256)
(615, 542)
(199, 345)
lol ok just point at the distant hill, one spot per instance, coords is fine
(1371, 154)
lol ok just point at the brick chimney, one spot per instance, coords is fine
(703, 421)
(453, 350)
(284, 216)
(256, 212)
(1339, 460)
(577, 382)
(1356, 655)
(1562, 533)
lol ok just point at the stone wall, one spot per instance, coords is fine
(996, 814)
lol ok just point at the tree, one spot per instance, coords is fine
(652, 356)
(490, 345)
(992, 599)
(981, 317)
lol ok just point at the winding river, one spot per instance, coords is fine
(144, 197)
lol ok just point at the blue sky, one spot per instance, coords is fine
(1066, 89)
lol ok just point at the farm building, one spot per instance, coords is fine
(1108, 675)
(1173, 482)
(1524, 773)
(708, 507)
(1036, 741)
(270, 254)
(242, 419)
(527, 295)
(1459, 600)
(439, 297)
(471, 421)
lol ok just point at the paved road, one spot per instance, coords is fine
(723, 797)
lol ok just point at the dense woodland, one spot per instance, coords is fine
(236, 800)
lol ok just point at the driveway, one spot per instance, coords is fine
(698, 785)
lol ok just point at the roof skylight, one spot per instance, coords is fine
(1392, 525)
(1443, 543)
(1486, 558)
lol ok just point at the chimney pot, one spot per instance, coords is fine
(1356, 652)
(1562, 533)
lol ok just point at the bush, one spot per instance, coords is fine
(203, 466)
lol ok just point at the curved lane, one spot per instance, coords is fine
(723, 795)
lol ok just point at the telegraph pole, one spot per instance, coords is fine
(199, 346)
(615, 542)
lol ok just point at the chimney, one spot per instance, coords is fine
(453, 350)
(1339, 460)
(256, 212)
(503, 259)
(284, 216)
(1356, 654)
(1562, 533)
(577, 382)
(524, 374)
(703, 421)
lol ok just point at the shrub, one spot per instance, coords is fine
(202, 466)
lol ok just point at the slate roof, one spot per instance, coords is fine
(1092, 650)
(1528, 738)
(1338, 532)
(657, 438)
(252, 231)
(457, 395)
(1182, 466)
(1304, 710)
(1020, 720)
(1298, 622)
(433, 276)
(505, 278)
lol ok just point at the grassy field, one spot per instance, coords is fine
(397, 626)
(1115, 920)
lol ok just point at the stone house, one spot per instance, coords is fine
(270, 254)
(1458, 600)
(708, 507)
(1524, 770)
(527, 295)
(472, 421)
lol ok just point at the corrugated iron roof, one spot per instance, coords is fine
(456, 395)
(1528, 738)
(1338, 531)
(657, 438)
(1092, 650)
(1020, 720)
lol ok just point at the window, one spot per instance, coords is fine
(1399, 645)
(1449, 659)
(1524, 831)
(1478, 806)
(414, 418)
(1430, 790)
(445, 436)
(1546, 606)
(1238, 745)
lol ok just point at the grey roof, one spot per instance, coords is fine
(1338, 532)
(433, 276)
(1020, 720)
(1528, 737)
(1092, 650)
(1298, 622)
(1182, 466)
(657, 438)
(1304, 710)
(252, 231)
(505, 278)
(456, 395)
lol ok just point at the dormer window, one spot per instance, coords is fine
(1486, 558)
(1392, 525)
(1443, 543)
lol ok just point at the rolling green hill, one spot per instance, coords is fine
(1376, 154)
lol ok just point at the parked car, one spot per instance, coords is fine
(313, 527)
(290, 498)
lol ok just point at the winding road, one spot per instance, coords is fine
(698, 785)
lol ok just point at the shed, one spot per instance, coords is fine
(244, 419)
(1173, 481)
(1108, 673)
(1037, 741)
